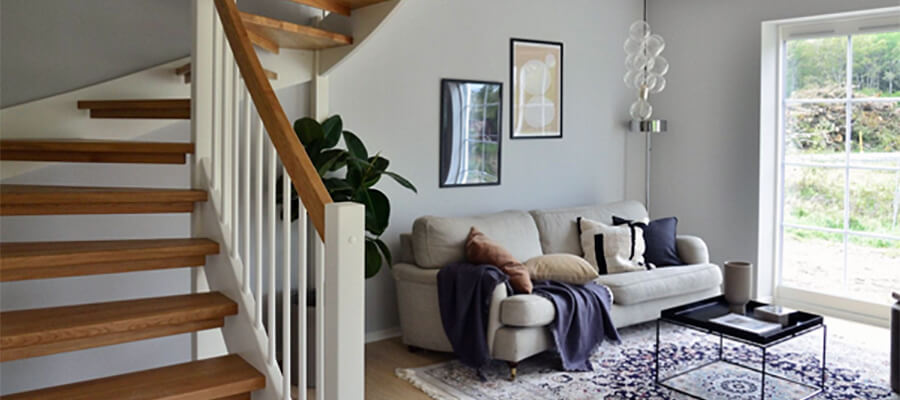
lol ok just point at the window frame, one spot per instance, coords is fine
(773, 105)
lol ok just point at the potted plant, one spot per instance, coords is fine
(350, 174)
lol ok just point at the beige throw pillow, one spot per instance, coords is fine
(567, 268)
(613, 248)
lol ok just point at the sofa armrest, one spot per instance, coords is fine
(493, 325)
(692, 249)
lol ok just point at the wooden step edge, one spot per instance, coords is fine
(96, 208)
(36, 332)
(327, 5)
(23, 255)
(269, 74)
(44, 349)
(22, 274)
(138, 113)
(224, 378)
(95, 146)
(259, 23)
(263, 41)
(30, 195)
(152, 104)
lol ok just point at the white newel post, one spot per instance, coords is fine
(344, 293)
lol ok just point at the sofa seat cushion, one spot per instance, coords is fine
(641, 286)
(526, 310)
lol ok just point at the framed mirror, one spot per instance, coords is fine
(470, 132)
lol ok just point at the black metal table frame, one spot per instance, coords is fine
(818, 389)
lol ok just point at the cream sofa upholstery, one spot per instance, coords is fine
(517, 325)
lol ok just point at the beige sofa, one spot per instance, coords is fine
(517, 326)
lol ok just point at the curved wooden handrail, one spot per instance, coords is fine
(306, 179)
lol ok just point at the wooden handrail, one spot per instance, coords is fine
(306, 179)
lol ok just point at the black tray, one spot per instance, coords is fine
(699, 314)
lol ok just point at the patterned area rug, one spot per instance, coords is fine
(625, 371)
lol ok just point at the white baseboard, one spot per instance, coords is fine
(375, 336)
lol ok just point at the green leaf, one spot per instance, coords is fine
(337, 185)
(385, 251)
(355, 173)
(327, 160)
(373, 259)
(332, 128)
(379, 163)
(381, 211)
(308, 130)
(355, 146)
(402, 181)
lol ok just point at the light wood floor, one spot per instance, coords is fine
(382, 358)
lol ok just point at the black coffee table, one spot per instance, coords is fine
(697, 316)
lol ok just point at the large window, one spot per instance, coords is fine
(839, 163)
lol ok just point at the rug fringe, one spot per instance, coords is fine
(409, 375)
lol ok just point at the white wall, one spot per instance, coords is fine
(388, 93)
(705, 169)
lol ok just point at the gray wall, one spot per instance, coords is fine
(705, 169)
(388, 93)
(54, 46)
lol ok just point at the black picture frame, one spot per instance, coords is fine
(444, 152)
(512, 87)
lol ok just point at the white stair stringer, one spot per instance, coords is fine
(222, 273)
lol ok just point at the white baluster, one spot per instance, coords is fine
(302, 329)
(271, 261)
(245, 204)
(286, 282)
(261, 140)
(319, 257)
(236, 161)
(215, 139)
(226, 133)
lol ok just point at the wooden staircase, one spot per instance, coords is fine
(38, 332)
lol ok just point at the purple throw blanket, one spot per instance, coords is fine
(581, 324)
(582, 320)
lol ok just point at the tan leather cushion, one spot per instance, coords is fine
(480, 249)
(567, 268)
(526, 310)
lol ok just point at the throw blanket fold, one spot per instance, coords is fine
(464, 296)
(582, 320)
(581, 324)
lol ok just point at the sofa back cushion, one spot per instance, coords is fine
(558, 232)
(438, 241)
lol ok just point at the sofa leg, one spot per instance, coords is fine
(513, 369)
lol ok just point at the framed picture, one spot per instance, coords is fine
(536, 98)
(471, 132)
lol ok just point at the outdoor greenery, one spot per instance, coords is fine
(349, 175)
(817, 133)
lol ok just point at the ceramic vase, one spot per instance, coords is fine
(738, 284)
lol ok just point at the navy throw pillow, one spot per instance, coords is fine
(659, 237)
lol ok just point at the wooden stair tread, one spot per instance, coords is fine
(293, 36)
(47, 200)
(186, 71)
(57, 327)
(214, 378)
(94, 151)
(144, 109)
(38, 260)
(342, 7)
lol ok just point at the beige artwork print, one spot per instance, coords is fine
(536, 84)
